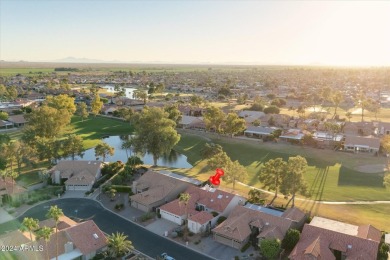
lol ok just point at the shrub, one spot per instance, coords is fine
(236, 257)
(100, 181)
(191, 234)
(383, 250)
(122, 188)
(112, 168)
(245, 247)
(11, 211)
(15, 204)
(214, 213)
(270, 248)
(221, 219)
(31, 202)
(146, 216)
(117, 180)
(291, 239)
(119, 206)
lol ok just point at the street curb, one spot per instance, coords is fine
(153, 232)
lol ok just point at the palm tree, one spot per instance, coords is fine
(184, 198)
(45, 233)
(55, 213)
(118, 245)
(30, 224)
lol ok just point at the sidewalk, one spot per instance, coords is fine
(4, 216)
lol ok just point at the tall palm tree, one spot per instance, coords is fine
(55, 213)
(118, 245)
(184, 198)
(45, 233)
(30, 224)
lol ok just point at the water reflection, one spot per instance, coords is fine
(173, 159)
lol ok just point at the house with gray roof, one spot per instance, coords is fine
(367, 144)
(76, 175)
(259, 131)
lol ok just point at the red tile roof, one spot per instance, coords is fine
(216, 200)
(237, 225)
(87, 237)
(201, 217)
(356, 242)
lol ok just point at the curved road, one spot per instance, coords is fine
(143, 240)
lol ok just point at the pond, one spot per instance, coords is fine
(174, 159)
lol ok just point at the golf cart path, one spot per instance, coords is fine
(323, 202)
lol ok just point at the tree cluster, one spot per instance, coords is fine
(234, 171)
(221, 123)
(154, 132)
(287, 177)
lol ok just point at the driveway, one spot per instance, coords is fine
(4, 216)
(159, 226)
(143, 240)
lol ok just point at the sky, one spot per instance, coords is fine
(341, 33)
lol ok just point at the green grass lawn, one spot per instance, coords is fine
(94, 128)
(330, 175)
(28, 178)
(24, 71)
(91, 129)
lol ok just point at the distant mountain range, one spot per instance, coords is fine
(83, 60)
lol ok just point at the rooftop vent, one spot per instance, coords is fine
(227, 196)
(219, 196)
(349, 246)
(266, 223)
(89, 162)
(95, 236)
(211, 200)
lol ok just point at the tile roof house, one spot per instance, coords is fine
(203, 201)
(292, 135)
(17, 120)
(359, 128)
(10, 187)
(279, 120)
(190, 121)
(235, 231)
(77, 175)
(327, 239)
(251, 116)
(384, 128)
(154, 189)
(357, 144)
(259, 131)
(76, 241)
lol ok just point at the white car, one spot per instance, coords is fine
(165, 256)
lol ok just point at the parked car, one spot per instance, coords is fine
(165, 256)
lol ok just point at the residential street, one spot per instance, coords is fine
(143, 240)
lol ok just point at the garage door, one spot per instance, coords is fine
(170, 217)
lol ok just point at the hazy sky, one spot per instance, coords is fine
(261, 32)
